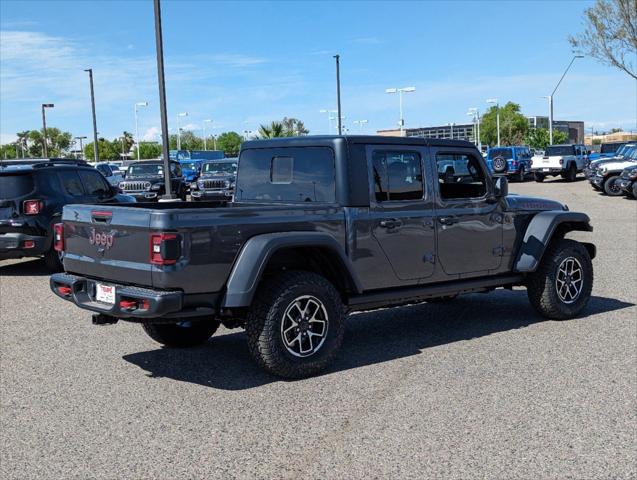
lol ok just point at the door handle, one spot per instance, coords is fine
(392, 223)
(447, 220)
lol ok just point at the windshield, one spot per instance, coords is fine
(506, 153)
(145, 169)
(221, 168)
(623, 149)
(12, 186)
(554, 150)
(631, 153)
(190, 165)
(610, 147)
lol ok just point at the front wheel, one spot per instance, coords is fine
(571, 173)
(561, 286)
(296, 323)
(187, 333)
(539, 177)
(611, 187)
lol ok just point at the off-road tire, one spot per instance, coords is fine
(571, 173)
(183, 335)
(634, 190)
(53, 261)
(500, 165)
(539, 177)
(610, 188)
(521, 174)
(265, 316)
(541, 284)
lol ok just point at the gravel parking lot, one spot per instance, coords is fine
(481, 387)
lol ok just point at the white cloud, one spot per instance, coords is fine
(152, 134)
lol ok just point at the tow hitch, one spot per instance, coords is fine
(101, 319)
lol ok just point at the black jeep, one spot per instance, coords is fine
(145, 180)
(32, 195)
(321, 226)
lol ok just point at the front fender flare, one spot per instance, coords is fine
(539, 233)
(257, 251)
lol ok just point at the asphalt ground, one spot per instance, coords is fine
(478, 388)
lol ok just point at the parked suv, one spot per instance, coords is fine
(321, 226)
(113, 175)
(514, 161)
(216, 181)
(628, 181)
(32, 194)
(145, 180)
(190, 169)
(607, 150)
(605, 175)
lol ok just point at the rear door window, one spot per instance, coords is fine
(397, 176)
(71, 183)
(14, 186)
(94, 183)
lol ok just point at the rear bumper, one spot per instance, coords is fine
(15, 245)
(548, 170)
(158, 303)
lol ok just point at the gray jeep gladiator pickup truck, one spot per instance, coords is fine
(321, 226)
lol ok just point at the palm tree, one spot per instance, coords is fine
(274, 130)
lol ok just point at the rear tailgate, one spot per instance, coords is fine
(108, 243)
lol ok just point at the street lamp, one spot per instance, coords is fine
(96, 150)
(494, 101)
(205, 145)
(81, 144)
(400, 92)
(183, 114)
(138, 104)
(475, 114)
(360, 123)
(550, 98)
(329, 118)
(45, 152)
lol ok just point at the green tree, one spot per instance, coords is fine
(610, 34)
(107, 150)
(294, 127)
(539, 138)
(513, 125)
(229, 142)
(148, 150)
(58, 142)
(9, 151)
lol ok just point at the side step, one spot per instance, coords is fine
(402, 296)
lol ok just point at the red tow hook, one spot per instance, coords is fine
(128, 304)
(64, 290)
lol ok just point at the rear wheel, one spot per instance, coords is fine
(186, 333)
(634, 189)
(53, 260)
(611, 187)
(539, 177)
(521, 174)
(295, 325)
(561, 286)
(571, 173)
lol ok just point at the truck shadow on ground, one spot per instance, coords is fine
(370, 338)
(25, 268)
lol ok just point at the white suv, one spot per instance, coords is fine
(564, 160)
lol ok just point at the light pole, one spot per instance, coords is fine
(45, 152)
(205, 145)
(400, 92)
(81, 144)
(550, 97)
(183, 114)
(475, 114)
(360, 123)
(96, 150)
(494, 101)
(138, 104)
(338, 93)
(329, 119)
(451, 130)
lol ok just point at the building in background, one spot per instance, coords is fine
(611, 137)
(574, 130)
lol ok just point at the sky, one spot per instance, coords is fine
(243, 63)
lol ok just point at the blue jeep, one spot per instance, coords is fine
(191, 169)
(513, 161)
(607, 150)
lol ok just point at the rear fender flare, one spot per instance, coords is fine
(540, 232)
(257, 251)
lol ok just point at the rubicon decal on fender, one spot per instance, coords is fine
(101, 239)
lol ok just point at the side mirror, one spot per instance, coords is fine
(501, 187)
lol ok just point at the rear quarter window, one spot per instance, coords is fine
(288, 175)
(14, 186)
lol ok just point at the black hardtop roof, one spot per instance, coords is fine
(329, 140)
(153, 161)
(30, 164)
(222, 160)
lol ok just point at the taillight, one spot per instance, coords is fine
(32, 207)
(58, 237)
(165, 248)
(561, 161)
